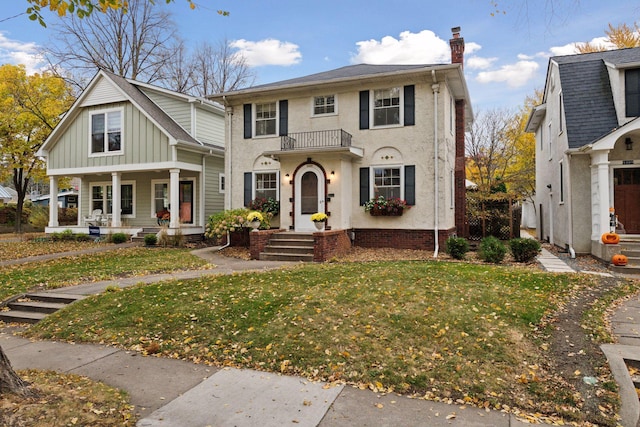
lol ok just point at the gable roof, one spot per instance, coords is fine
(129, 88)
(587, 95)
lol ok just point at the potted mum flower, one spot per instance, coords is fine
(319, 219)
(254, 219)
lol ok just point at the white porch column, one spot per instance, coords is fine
(174, 198)
(116, 199)
(600, 197)
(53, 201)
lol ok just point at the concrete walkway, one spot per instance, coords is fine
(175, 393)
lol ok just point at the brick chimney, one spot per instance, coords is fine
(460, 192)
(457, 47)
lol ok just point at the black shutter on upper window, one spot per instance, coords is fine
(364, 109)
(247, 121)
(284, 117)
(409, 105)
(248, 186)
(364, 185)
(410, 185)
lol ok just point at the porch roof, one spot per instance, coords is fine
(353, 152)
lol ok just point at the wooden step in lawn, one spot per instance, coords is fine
(33, 307)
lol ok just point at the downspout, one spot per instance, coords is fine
(228, 178)
(436, 89)
(572, 251)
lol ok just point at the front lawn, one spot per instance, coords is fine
(71, 270)
(457, 332)
(18, 247)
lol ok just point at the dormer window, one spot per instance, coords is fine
(106, 132)
(632, 92)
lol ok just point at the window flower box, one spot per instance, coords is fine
(385, 207)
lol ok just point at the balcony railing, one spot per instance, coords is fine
(315, 139)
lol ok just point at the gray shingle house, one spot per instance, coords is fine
(588, 144)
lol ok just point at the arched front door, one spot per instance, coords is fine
(309, 196)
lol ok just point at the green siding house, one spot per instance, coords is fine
(141, 152)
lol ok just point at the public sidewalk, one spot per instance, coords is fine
(175, 393)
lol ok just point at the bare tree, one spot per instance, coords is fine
(220, 69)
(178, 74)
(490, 151)
(136, 43)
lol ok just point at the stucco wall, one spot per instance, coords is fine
(414, 146)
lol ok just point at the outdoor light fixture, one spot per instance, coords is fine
(287, 175)
(629, 143)
(332, 173)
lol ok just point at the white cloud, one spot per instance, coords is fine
(514, 75)
(267, 52)
(571, 48)
(471, 47)
(479, 63)
(17, 52)
(410, 48)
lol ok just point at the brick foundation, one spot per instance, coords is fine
(258, 240)
(330, 244)
(400, 239)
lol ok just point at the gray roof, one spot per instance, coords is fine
(163, 119)
(4, 194)
(347, 72)
(350, 72)
(586, 90)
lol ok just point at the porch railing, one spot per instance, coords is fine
(315, 139)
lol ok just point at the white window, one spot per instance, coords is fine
(265, 122)
(221, 183)
(550, 140)
(266, 185)
(386, 107)
(106, 132)
(560, 113)
(102, 198)
(387, 182)
(324, 105)
(160, 194)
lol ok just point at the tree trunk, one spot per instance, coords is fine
(10, 382)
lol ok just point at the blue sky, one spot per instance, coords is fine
(507, 46)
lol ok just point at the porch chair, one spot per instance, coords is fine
(94, 218)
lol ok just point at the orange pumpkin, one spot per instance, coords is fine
(619, 259)
(610, 238)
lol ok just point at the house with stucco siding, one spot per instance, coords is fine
(588, 138)
(332, 141)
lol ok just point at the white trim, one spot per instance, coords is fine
(221, 183)
(105, 112)
(153, 194)
(254, 118)
(104, 184)
(400, 108)
(335, 106)
(140, 167)
(303, 221)
(372, 178)
(263, 172)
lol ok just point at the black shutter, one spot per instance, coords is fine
(409, 105)
(248, 186)
(284, 117)
(410, 185)
(247, 121)
(364, 185)
(364, 109)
